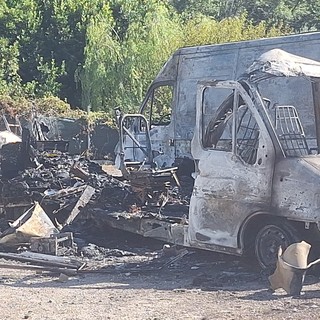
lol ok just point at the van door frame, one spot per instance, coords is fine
(208, 196)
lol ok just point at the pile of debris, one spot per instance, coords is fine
(57, 183)
(61, 186)
(43, 190)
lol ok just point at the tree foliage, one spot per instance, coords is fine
(204, 30)
(105, 53)
(298, 15)
(118, 69)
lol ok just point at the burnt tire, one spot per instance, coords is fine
(268, 240)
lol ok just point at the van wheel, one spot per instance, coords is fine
(268, 241)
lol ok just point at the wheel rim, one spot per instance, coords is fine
(269, 239)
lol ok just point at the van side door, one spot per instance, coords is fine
(235, 163)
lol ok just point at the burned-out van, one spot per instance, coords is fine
(255, 142)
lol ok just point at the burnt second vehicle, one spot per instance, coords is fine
(256, 149)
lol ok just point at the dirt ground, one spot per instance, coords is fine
(138, 283)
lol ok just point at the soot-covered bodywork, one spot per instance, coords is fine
(254, 158)
(255, 147)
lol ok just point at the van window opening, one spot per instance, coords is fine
(158, 108)
(218, 133)
(292, 115)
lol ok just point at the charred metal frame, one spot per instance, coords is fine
(136, 126)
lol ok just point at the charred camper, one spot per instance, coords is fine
(254, 139)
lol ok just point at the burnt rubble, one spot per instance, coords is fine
(59, 183)
(53, 204)
(52, 185)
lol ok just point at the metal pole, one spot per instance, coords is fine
(88, 131)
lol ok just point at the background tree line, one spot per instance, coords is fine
(105, 53)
